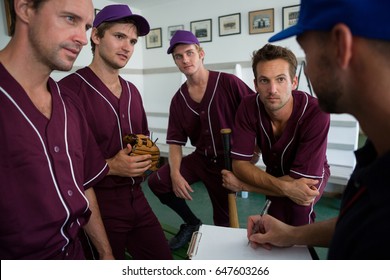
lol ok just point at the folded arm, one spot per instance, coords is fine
(253, 179)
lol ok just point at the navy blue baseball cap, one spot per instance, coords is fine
(365, 18)
(119, 11)
(182, 37)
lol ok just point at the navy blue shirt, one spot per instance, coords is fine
(363, 227)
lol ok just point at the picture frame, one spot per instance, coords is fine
(154, 38)
(290, 15)
(172, 29)
(8, 16)
(229, 24)
(261, 21)
(202, 30)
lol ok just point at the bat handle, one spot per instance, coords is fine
(225, 132)
(233, 212)
(232, 204)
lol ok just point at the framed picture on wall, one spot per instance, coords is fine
(261, 21)
(229, 24)
(202, 30)
(290, 15)
(8, 16)
(153, 39)
(173, 29)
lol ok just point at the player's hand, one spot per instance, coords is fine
(273, 233)
(230, 181)
(181, 188)
(128, 166)
(302, 191)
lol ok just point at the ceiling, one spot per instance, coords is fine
(144, 4)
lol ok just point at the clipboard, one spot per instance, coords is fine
(224, 243)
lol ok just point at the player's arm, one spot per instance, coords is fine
(181, 188)
(95, 228)
(128, 166)
(279, 234)
(257, 180)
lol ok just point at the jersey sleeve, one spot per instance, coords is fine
(310, 160)
(95, 166)
(175, 133)
(244, 134)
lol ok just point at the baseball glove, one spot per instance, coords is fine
(142, 145)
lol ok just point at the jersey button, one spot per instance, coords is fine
(70, 192)
(56, 149)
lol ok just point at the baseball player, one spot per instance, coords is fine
(291, 132)
(204, 104)
(48, 157)
(114, 108)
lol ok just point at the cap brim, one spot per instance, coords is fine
(170, 49)
(142, 24)
(286, 33)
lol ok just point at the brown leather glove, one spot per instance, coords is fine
(142, 145)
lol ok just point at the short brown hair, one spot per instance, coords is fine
(101, 29)
(272, 52)
(35, 4)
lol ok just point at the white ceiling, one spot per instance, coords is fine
(144, 4)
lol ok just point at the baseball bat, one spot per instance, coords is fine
(233, 213)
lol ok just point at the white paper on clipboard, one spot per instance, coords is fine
(223, 243)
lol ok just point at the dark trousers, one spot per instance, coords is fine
(194, 168)
(131, 224)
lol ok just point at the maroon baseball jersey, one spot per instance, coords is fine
(202, 122)
(44, 164)
(110, 118)
(128, 218)
(299, 152)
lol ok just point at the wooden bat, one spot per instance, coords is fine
(233, 213)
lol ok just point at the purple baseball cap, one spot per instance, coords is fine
(118, 12)
(182, 37)
(365, 18)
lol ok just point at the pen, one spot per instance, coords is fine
(263, 212)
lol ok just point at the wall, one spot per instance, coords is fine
(133, 70)
(162, 79)
(154, 72)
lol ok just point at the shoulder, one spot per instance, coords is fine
(179, 94)
(308, 104)
(228, 77)
(232, 82)
(251, 99)
(74, 80)
(303, 99)
(67, 92)
(129, 85)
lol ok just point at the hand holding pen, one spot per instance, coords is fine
(257, 225)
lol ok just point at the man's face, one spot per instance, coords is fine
(58, 32)
(187, 58)
(321, 72)
(274, 84)
(116, 47)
